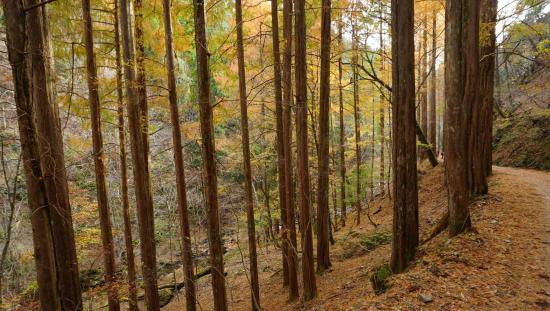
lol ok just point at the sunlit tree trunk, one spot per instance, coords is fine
(424, 81)
(461, 77)
(98, 155)
(323, 258)
(190, 298)
(382, 108)
(209, 161)
(292, 254)
(302, 166)
(405, 192)
(140, 162)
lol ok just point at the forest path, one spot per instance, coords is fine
(540, 182)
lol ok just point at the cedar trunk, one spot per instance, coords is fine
(487, 82)
(37, 200)
(424, 81)
(405, 192)
(52, 157)
(209, 161)
(190, 298)
(139, 150)
(461, 70)
(342, 131)
(253, 257)
(98, 155)
(357, 126)
(128, 240)
(323, 258)
(302, 166)
(280, 135)
(433, 87)
(292, 254)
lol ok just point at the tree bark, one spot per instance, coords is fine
(487, 84)
(98, 155)
(209, 161)
(128, 240)
(461, 70)
(432, 133)
(424, 81)
(40, 209)
(279, 129)
(190, 297)
(140, 161)
(342, 130)
(52, 158)
(254, 282)
(292, 254)
(323, 243)
(357, 126)
(382, 108)
(302, 169)
(405, 191)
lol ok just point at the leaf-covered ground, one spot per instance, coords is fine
(502, 265)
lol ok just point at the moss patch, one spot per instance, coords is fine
(379, 278)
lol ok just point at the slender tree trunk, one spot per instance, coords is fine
(52, 156)
(190, 298)
(342, 131)
(433, 85)
(382, 108)
(98, 155)
(302, 169)
(140, 161)
(323, 243)
(128, 240)
(209, 161)
(279, 129)
(357, 127)
(405, 192)
(43, 242)
(487, 86)
(373, 140)
(254, 283)
(424, 81)
(292, 254)
(461, 72)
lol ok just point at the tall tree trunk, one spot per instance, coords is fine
(40, 210)
(292, 254)
(372, 151)
(98, 155)
(461, 72)
(323, 244)
(140, 162)
(424, 81)
(342, 129)
(254, 283)
(382, 107)
(302, 166)
(209, 161)
(190, 298)
(52, 155)
(433, 88)
(487, 83)
(357, 125)
(128, 240)
(405, 192)
(279, 129)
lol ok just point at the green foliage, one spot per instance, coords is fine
(379, 277)
(377, 238)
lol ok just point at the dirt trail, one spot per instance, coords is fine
(540, 182)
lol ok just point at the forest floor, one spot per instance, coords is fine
(502, 264)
